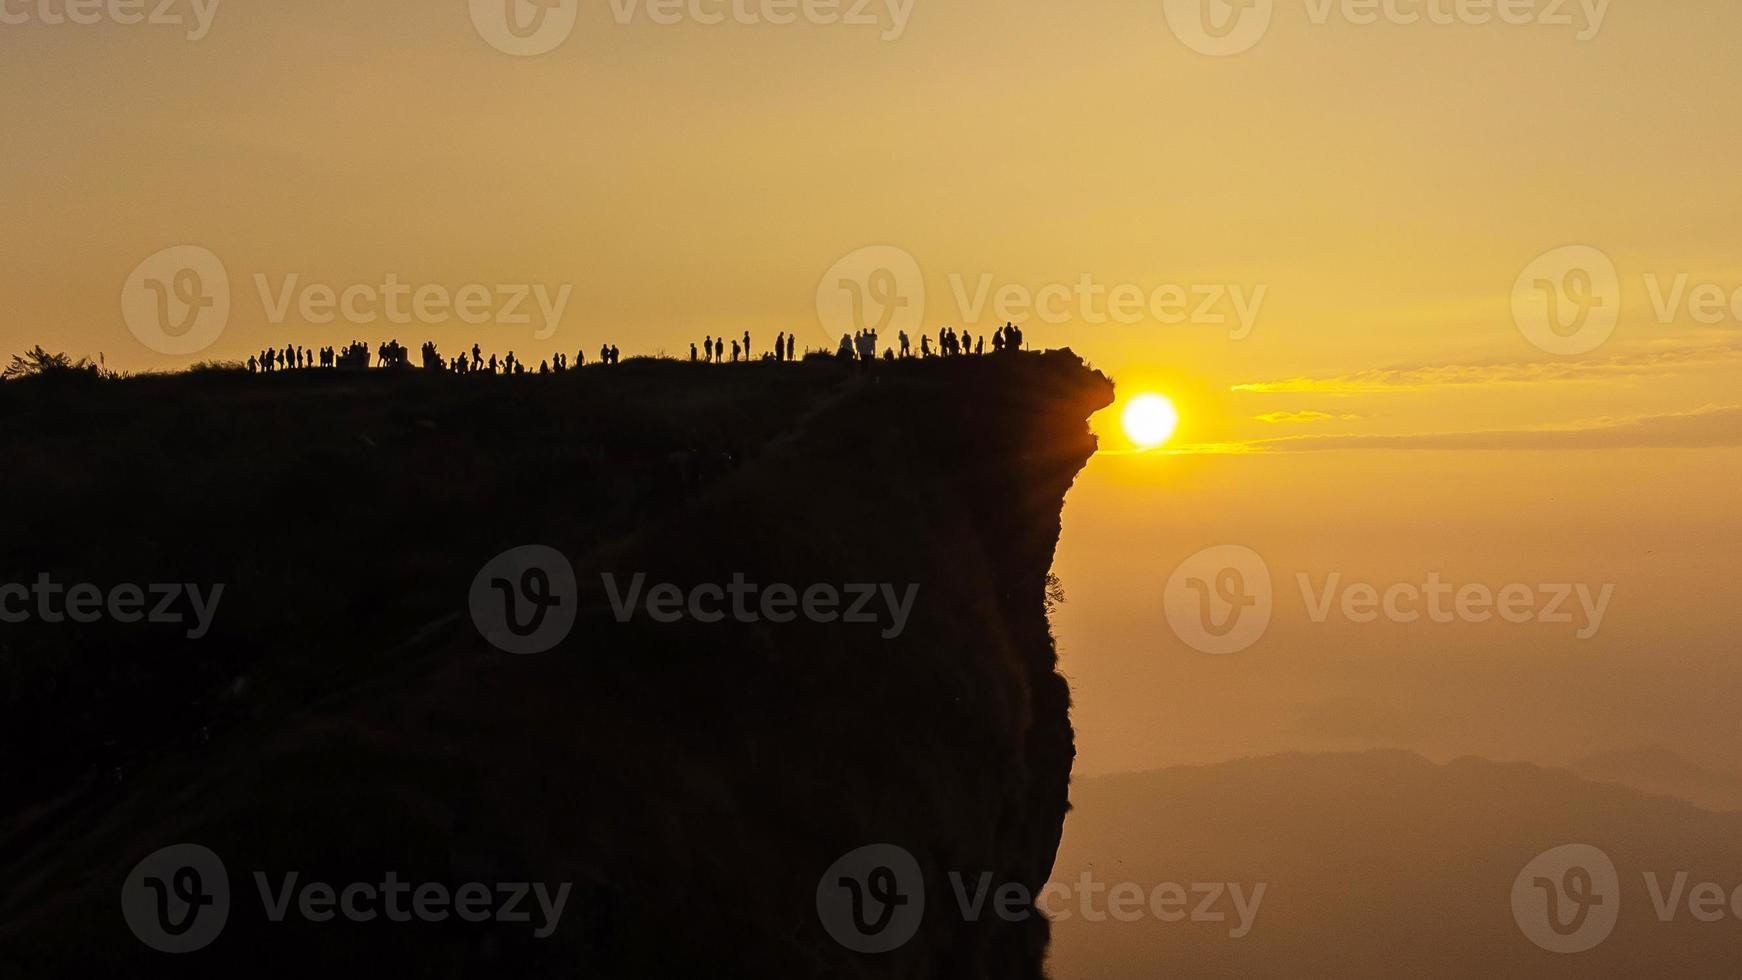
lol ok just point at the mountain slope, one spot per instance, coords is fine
(1383, 864)
(1655, 769)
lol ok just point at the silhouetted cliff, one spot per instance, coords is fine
(344, 717)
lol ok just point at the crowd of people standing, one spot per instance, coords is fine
(863, 345)
(860, 346)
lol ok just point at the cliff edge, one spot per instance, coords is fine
(696, 782)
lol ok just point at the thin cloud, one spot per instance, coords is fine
(1616, 367)
(1711, 427)
(1302, 417)
(1187, 449)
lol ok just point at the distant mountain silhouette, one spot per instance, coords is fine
(1655, 769)
(1384, 864)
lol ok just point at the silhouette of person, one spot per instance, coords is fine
(616, 355)
(692, 352)
(790, 342)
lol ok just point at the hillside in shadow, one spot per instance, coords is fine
(1385, 864)
(1655, 769)
(344, 716)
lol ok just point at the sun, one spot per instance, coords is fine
(1150, 420)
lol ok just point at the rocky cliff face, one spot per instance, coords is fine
(696, 784)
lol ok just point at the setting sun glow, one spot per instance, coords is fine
(1150, 420)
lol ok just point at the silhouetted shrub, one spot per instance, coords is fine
(38, 362)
